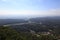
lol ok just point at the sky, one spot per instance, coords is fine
(29, 8)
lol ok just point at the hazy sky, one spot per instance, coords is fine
(29, 8)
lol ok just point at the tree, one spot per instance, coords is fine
(6, 33)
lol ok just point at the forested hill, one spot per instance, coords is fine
(7, 33)
(11, 21)
(44, 19)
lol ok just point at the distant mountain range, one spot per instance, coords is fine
(55, 19)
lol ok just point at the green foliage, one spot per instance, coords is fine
(7, 33)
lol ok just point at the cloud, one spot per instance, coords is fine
(13, 2)
(52, 12)
(7, 0)
(4, 0)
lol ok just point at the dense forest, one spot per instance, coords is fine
(7, 33)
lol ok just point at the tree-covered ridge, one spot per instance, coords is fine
(7, 33)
